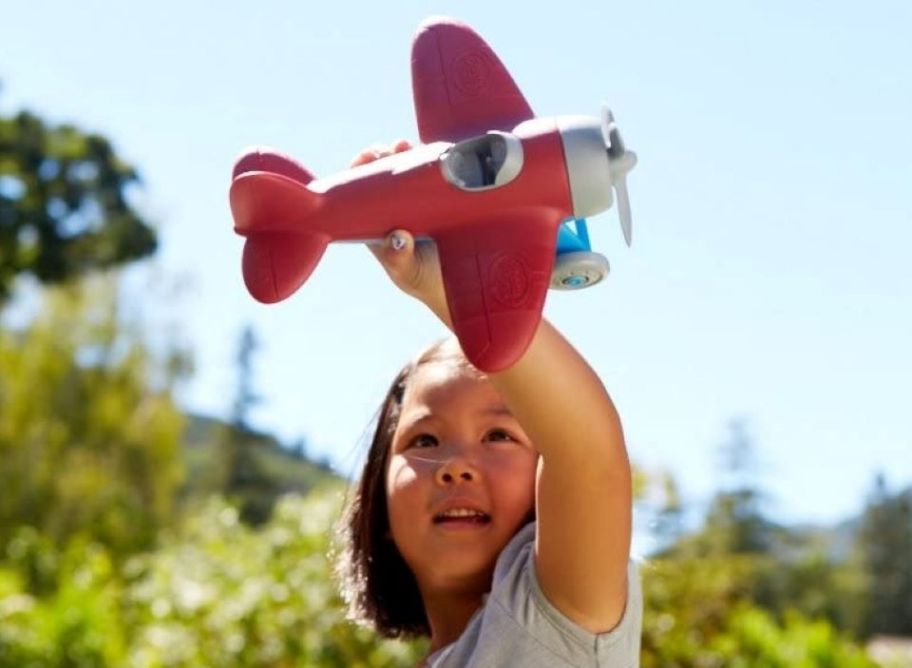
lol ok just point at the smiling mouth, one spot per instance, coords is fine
(463, 520)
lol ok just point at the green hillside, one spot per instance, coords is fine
(273, 470)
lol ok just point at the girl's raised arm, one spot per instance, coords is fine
(584, 487)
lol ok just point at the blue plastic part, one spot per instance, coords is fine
(582, 230)
(573, 241)
(575, 281)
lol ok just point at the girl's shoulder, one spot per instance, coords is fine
(518, 626)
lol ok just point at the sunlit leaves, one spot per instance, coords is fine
(88, 439)
(699, 613)
(64, 205)
(216, 593)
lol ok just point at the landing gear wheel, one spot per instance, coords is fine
(573, 271)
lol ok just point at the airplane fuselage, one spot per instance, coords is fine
(410, 191)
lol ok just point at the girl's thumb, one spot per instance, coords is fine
(398, 240)
(396, 251)
(399, 245)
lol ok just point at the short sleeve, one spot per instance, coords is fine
(516, 589)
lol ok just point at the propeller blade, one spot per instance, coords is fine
(621, 161)
(623, 203)
(607, 125)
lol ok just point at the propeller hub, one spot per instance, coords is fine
(588, 169)
(597, 166)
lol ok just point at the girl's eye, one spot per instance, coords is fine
(424, 441)
(499, 435)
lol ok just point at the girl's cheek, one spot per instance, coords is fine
(514, 462)
(402, 474)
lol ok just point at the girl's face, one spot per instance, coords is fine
(456, 446)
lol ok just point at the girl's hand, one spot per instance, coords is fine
(413, 266)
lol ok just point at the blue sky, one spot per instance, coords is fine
(769, 278)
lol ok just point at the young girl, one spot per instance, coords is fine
(493, 514)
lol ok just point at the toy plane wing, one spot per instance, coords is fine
(460, 86)
(496, 280)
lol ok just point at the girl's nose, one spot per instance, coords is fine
(457, 469)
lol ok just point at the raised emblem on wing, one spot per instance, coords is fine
(496, 281)
(460, 86)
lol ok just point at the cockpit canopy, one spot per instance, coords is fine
(484, 162)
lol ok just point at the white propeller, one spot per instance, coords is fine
(620, 162)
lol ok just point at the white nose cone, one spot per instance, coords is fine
(588, 171)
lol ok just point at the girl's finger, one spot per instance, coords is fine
(370, 154)
(377, 151)
(363, 158)
(401, 145)
(396, 252)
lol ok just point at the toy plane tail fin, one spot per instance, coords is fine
(276, 264)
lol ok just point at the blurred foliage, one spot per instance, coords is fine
(699, 613)
(75, 622)
(216, 593)
(219, 593)
(89, 433)
(885, 542)
(63, 203)
(742, 590)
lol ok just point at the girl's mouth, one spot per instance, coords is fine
(463, 519)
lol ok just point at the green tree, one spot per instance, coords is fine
(734, 522)
(243, 476)
(885, 541)
(89, 433)
(64, 205)
(245, 396)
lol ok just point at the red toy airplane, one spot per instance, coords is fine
(491, 186)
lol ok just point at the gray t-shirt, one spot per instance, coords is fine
(518, 627)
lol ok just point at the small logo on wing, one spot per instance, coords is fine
(508, 280)
(471, 73)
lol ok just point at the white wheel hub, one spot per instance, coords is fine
(573, 271)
